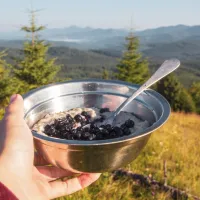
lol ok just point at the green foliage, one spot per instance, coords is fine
(35, 69)
(177, 142)
(186, 102)
(105, 74)
(132, 67)
(1, 113)
(7, 83)
(177, 96)
(195, 92)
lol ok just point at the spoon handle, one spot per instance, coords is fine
(166, 68)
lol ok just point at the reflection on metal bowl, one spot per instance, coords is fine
(100, 155)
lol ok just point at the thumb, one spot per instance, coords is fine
(14, 128)
(16, 142)
(15, 110)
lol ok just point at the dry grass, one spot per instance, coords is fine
(178, 143)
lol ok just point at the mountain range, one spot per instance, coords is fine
(100, 38)
(78, 47)
(163, 40)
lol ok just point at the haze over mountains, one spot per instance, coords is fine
(80, 48)
(180, 40)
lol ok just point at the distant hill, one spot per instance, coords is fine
(86, 38)
(84, 51)
(75, 63)
(89, 64)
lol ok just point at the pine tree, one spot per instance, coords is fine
(8, 84)
(132, 67)
(177, 96)
(105, 74)
(35, 69)
(195, 93)
(186, 102)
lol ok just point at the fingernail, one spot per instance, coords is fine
(13, 97)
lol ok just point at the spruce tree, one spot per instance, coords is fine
(186, 102)
(195, 93)
(177, 96)
(132, 67)
(8, 84)
(35, 69)
(105, 74)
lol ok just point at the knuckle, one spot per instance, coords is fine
(12, 120)
(12, 108)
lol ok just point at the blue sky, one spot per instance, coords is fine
(101, 13)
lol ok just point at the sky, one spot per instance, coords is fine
(138, 14)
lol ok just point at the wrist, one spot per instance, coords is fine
(23, 189)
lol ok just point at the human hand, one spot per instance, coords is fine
(19, 169)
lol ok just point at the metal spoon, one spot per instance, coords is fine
(166, 68)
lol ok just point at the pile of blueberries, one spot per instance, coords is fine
(63, 128)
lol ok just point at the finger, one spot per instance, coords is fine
(52, 173)
(15, 109)
(62, 188)
(16, 138)
(39, 160)
(14, 126)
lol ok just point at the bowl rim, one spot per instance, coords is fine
(164, 116)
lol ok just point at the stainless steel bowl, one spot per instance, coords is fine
(93, 156)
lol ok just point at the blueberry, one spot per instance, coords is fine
(67, 128)
(92, 137)
(70, 137)
(108, 127)
(99, 136)
(86, 135)
(118, 131)
(47, 128)
(48, 133)
(52, 130)
(126, 131)
(84, 113)
(113, 134)
(57, 121)
(62, 135)
(129, 123)
(92, 125)
(123, 126)
(78, 118)
(65, 134)
(103, 110)
(59, 124)
(73, 131)
(69, 118)
(103, 126)
(88, 117)
(62, 128)
(79, 129)
(77, 135)
(83, 123)
(101, 120)
(105, 133)
(87, 121)
(66, 121)
(86, 129)
(54, 133)
(95, 130)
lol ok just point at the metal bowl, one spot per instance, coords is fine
(93, 156)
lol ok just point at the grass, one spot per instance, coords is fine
(178, 143)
